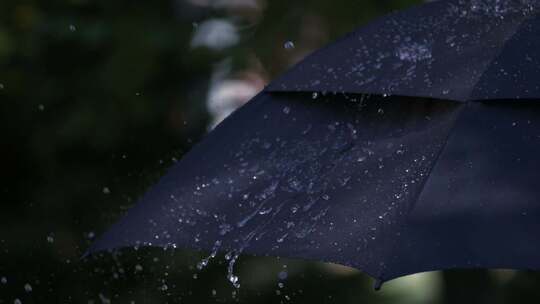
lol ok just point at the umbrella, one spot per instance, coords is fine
(410, 145)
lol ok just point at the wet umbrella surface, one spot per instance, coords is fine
(409, 145)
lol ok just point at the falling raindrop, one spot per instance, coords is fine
(1, 86)
(286, 110)
(17, 301)
(230, 271)
(27, 287)
(204, 262)
(50, 239)
(289, 45)
(214, 292)
(72, 28)
(106, 190)
(41, 107)
(3, 280)
(314, 95)
(282, 275)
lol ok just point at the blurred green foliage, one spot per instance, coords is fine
(98, 98)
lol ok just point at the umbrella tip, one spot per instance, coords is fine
(378, 284)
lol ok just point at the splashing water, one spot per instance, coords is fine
(204, 262)
(289, 45)
(230, 269)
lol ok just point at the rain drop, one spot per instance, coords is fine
(282, 275)
(3, 280)
(106, 190)
(27, 287)
(314, 95)
(72, 28)
(17, 301)
(234, 280)
(41, 107)
(286, 110)
(289, 45)
(1, 86)
(230, 271)
(265, 211)
(50, 239)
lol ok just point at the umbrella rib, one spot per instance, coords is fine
(500, 51)
(439, 153)
(380, 277)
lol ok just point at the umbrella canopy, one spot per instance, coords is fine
(404, 147)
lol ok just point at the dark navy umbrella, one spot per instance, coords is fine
(412, 144)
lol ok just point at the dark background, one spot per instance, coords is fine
(98, 98)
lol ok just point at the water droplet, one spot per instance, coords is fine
(282, 275)
(41, 107)
(138, 268)
(3, 280)
(380, 111)
(230, 271)
(106, 190)
(265, 211)
(27, 287)
(204, 262)
(17, 301)
(72, 28)
(91, 235)
(164, 287)
(289, 45)
(50, 239)
(214, 292)
(1, 86)
(314, 95)
(286, 110)
(234, 280)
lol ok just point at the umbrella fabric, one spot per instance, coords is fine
(388, 184)
(452, 50)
